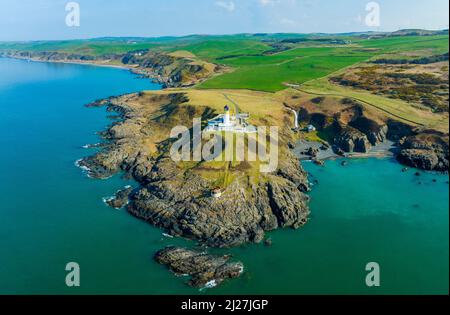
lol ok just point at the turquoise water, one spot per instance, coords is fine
(366, 212)
(52, 214)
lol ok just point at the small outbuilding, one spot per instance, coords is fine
(216, 192)
(311, 128)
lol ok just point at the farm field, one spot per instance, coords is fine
(275, 62)
(299, 65)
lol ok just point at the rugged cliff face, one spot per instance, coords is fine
(374, 132)
(182, 205)
(171, 70)
(428, 150)
(350, 139)
(177, 197)
(350, 128)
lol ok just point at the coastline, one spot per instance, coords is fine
(277, 243)
(81, 63)
(189, 211)
(393, 150)
(162, 68)
(384, 149)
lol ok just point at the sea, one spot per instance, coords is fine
(363, 214)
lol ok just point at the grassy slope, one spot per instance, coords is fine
(216, 47)
(393, 108)
(255, 71)
(265, 109)
(205, 47)
(269, 73)
(437, 44)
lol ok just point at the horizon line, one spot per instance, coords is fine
(224, 34)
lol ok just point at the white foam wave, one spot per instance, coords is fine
(83, 167)
(211, 284)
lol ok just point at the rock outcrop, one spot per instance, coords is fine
(428, 150)
(351, 139)
(120, 199)
(178, 199)
(204, 270)
(167, 69)
(183, 207)
(350, 128)
(374, 132)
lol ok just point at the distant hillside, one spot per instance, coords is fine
(263, 62)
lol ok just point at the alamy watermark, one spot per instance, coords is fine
(373, 278)
(373, 17)
(73, 17)
(73, 275)
(226, 144)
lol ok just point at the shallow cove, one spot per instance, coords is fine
(52, 214)
(368, 211)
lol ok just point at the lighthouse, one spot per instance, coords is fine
(226, 122)
(227, 117)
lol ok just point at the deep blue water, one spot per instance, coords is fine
(52, 214)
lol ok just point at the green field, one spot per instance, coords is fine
(215, 48)
(302, 64)
(436, 44)
(269, 73)
(247, 57)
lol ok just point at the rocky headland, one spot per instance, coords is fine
(177, 196)
(178, 69)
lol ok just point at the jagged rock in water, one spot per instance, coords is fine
(120, 199)
(428, 150)
(204, 269)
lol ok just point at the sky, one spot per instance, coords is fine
(22, 20)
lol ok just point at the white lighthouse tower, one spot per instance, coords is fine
(230, 123)
(227, 117)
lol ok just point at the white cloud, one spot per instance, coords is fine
(229, 6)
